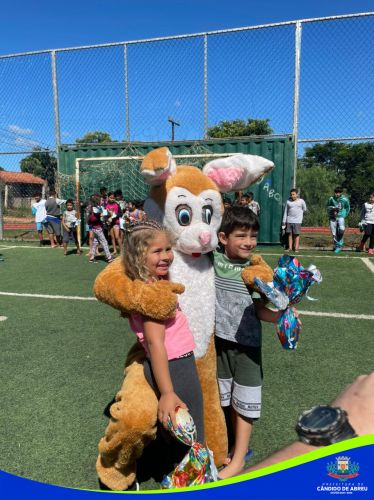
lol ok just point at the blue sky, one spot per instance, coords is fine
(248, 75)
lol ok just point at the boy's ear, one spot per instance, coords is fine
(222, 238)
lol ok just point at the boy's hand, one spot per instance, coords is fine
(166, 408)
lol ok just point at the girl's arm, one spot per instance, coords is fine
(154, 333)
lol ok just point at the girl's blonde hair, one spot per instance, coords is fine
(138, 237)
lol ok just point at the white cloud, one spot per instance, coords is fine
(19, 130)
(23, 141)
(177, 103)
(65, 134)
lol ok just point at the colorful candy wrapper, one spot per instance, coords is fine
(290, 283)
(197, 467)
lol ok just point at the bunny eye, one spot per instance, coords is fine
(184, 215)
(207, 214)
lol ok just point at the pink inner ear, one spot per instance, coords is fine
(226, 178)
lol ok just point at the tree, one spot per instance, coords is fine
(240, 128)
(42, 164)
(353, 164)
(94, 137)
(2, 169)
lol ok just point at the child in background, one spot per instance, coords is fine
(338, 209)
(96, 224)
(69, 226)
(253, 205)
(38, 209)
(170, 363)
(114, 212)
(293, 218)
(367, 225)
(238, 331)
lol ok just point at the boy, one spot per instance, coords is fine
(293, 218)
(338, 208)
(38, 209)
(69, 225)
(238, 330)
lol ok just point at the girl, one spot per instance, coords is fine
(114, 211)
(96, 224)
(170, 364)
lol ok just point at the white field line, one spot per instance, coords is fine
(42, 296)
(3, 318)
(337, 315)
(72, 297)
(367, 263)
(299, 256)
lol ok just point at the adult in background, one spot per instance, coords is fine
(367, 225)
(38, 209)
(53, 225)
(338, 208)
(292, 219)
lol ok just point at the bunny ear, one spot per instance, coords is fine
(157, 166)
(237, 172)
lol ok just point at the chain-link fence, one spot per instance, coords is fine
(311, 78)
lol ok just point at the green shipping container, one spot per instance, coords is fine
(271, 192)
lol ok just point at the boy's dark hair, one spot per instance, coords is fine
(338, 189)
(238, 217)
(250, 194)
(69, 201)
(111, 193)
(38, 193)
(293, 190)
(95, 199)
(102, 189)
(118, 192)
(52, 192)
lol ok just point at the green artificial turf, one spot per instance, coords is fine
(61, 361)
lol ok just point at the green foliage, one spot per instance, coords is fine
(2, 169)
(352, 163)
(94, 137)
(316, 185)
(41, 163)
(240, 128)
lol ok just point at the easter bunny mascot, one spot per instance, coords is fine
(188, 202)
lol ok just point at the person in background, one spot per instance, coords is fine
(53, 225)
(338, 208)
(103, 196)
(96, 223)
(226, 202)
(114, 214)
(40, 213)
(367, 225)
(69, 226)
(293, 218)
(252, 204)
(119, 199)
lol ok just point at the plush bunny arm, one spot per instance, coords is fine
(257, 269)
(156, 300)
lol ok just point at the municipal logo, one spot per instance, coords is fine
(343, 469)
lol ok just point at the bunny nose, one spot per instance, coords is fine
(205, 237)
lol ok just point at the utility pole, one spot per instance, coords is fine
(173, 123)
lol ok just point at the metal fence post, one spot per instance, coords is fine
(126, 93)
(56, 112)
(205, 86)
(296, 99)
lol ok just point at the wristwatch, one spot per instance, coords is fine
(323, 425)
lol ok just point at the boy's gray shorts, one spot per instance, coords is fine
(293, 228)
(53, 228)
(239, 370)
